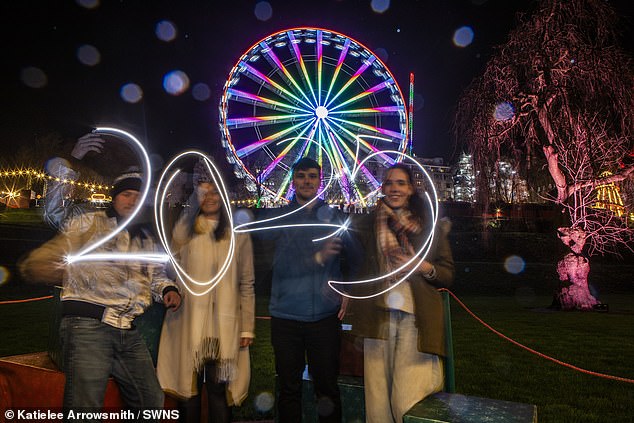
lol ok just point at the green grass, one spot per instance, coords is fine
(486, 365)
(22, 216)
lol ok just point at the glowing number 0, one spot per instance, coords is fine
(160, 195)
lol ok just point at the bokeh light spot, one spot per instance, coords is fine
(504, 111)
(324, 214)
(380, 6)
(165, 31)
(463, 36)
(4, 274)
(242, 216)
(514, 264)
(88, 4)
(176, 82)
(325, 407)
(201, 91)
(88, 55)
(263, 11)
(33, 77)
(131, 93)
(264, 402)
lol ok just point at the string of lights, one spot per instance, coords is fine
(41, 175)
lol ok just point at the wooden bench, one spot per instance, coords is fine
(450, 407)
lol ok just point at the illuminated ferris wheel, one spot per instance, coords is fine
(311, 92)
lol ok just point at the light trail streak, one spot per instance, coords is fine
(159, 218)
(84, 254)
(416, 259)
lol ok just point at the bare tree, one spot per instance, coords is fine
(558, 98)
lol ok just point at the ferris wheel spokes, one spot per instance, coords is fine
(270, 84)
(275, 62)
(249, 149)
(315, 84)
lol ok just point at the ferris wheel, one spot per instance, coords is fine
(317, 93)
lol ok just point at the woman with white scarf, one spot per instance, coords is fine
(207, 339)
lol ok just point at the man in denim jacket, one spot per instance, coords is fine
(306, 313)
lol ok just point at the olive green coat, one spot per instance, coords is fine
(368, 317)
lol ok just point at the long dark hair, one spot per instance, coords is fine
(416, 204)
(223, 223)
(223, 220)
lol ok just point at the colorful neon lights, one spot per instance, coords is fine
(315, 83)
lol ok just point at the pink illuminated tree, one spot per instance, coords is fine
(557, 99)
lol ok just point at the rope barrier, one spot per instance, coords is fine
(27, 300)
(472, 314)
(542, 355)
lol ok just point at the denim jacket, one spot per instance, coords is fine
(300, 288)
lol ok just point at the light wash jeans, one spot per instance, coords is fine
(92, 352)
(396, 374)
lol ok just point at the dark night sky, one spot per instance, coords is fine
(212, 35)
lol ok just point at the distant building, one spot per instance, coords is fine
(505, 184)
(464, 180)
(440, 175)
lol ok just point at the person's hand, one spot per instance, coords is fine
(330, 248)
(86, 143)
(398, 259)
(245, 342)
(411, 227)
(172, 300)
(426, 267)
(344, 306)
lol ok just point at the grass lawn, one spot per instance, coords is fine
(486, 365)
(22, 216)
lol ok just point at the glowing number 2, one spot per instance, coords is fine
(85, 254)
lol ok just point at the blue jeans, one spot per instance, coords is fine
(319, 343)
(92, 352)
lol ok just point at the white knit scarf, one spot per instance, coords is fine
(214, 318)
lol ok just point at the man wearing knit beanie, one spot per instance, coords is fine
(125, 193)
(100, 299)
(128, 180)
